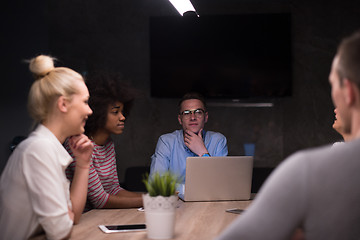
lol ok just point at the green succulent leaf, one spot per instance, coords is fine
(163, 184)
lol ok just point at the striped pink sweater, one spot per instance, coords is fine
(103, 178)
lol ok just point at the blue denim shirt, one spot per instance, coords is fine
(171, 151)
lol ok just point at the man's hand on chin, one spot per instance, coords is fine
(195, 142)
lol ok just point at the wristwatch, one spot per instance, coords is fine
(206, 155)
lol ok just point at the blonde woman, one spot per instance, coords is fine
(35, 196)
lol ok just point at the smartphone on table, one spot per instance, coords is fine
(122, 228)
(235, 210)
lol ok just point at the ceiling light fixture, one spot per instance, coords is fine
(183, 6)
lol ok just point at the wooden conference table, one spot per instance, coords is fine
(194, 220)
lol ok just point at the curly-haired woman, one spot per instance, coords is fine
(110, 101)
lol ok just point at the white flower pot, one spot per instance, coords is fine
(160, 216)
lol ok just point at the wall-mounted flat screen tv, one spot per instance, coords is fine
(244, 56)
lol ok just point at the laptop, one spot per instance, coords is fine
(218, 178)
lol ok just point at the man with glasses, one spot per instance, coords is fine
(173, 148)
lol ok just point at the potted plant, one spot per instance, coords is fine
(160, 204)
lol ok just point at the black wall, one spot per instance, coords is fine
(114, 35)
(24, 34)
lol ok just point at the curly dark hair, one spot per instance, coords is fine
(106, 88)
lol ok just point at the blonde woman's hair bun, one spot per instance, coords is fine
(41, 65)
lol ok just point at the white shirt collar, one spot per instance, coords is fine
(64, 157)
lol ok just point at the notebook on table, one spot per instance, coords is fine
(218, 178)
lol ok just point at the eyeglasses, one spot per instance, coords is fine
(199, 113)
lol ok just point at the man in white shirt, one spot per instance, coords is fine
(318, 189)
